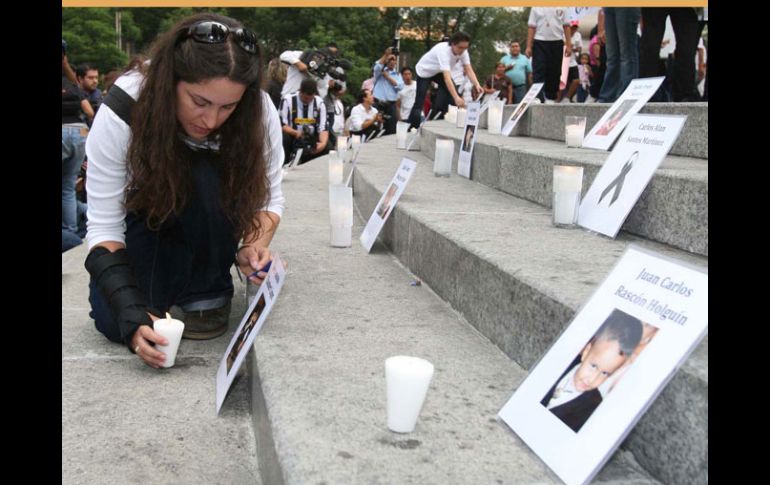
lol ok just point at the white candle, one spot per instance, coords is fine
(495, 116)
(413, 140)
(401, 131)
(460, 118)
(565, 208)
(442, 159)
(341, 215)
(342, 147)
(451, 114)
(341, 236)
(171, 329)
(407, 380)
(335, 168)
(574, 130)
(567, 179)
(567, 185)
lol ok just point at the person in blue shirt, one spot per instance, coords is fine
(518, 68)
(387, 84)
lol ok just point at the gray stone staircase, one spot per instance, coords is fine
(317, 376)
(499, 285)
(673, 209)
(490, 251)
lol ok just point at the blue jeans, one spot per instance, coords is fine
(69, 240)
(73, 152)
(519, 93)
(622, 51)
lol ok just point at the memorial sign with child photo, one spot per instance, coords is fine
(599, 377)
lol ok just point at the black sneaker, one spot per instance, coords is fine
(203, 324)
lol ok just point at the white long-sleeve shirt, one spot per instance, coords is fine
(106, 148)
(359, 115)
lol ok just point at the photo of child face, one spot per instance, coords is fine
(598, 361)
(580, 389)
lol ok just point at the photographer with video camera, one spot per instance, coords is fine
(437, 65)
(319, 64)
(387, 84)
(303, 122)
(364, 118)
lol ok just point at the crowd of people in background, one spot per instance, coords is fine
(627, 43)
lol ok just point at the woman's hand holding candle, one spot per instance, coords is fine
(142, 343)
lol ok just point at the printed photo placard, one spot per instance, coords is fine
(627, 171)
(611, 124)
(521, 108)
(585, 395)
(469, 140)
(386, 203)
(251, 324)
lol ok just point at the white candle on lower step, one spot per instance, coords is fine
(171, 329)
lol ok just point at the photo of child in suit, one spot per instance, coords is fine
(466, 146)
(245, 331)
(575, 395)
(384, 208)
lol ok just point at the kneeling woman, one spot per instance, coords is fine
(184, 178)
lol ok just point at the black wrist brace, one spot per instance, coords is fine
(112, 275)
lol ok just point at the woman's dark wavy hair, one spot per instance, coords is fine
(158, 168)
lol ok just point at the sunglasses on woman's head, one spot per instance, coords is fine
(210, 32)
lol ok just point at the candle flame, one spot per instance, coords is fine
(168, 316)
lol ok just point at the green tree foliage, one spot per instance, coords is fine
(361, 33)
(91, 37)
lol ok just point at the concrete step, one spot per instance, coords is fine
(672, 209)
(501, 264)
(318, 373)
(547, 121)
(126, 423)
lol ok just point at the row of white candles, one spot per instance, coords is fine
(574, 126)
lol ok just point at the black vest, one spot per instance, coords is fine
(187, 260)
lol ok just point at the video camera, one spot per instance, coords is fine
(306, 143)
(394, 49)
(322, 62)
(339, 77)
(382, 109)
